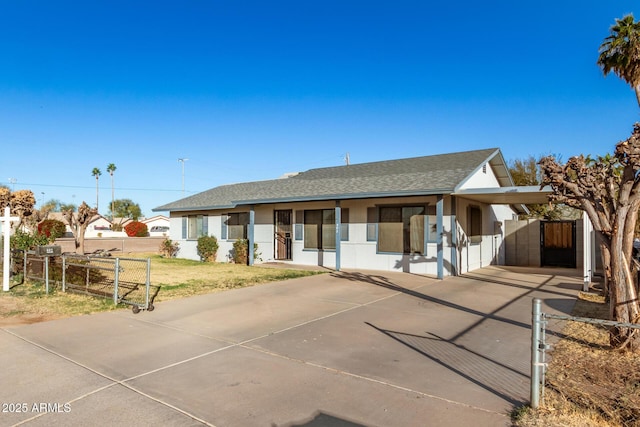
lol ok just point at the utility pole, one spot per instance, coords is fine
(182, 160)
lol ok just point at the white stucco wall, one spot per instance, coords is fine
(357, 252)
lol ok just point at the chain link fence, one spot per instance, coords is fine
(27, 265)
(124, 280)
(572, 357)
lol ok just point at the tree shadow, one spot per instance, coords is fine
(497, 378)
(386, 283)
(321, 419)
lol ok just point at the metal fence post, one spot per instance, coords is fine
(115, 282)
(147, 283)
(46, 274)
(64, 273)
(535, 353)
(24, 266)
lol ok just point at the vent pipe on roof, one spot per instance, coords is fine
(346, 159)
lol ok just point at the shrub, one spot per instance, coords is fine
(27, 241)
(169, 248)
(52, 228)
(208, 248)
(136, 229)
(240, 253)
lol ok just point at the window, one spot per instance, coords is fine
(372, 224)
(474, 219)
(401, 229)
(432, 225)
(194, 226)
(234, 226)
(320, 228)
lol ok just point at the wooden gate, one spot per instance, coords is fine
(558, 243)
(282, 220)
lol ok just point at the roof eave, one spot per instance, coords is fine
(324, 197)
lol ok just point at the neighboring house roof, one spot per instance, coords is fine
(155, 218)
(439, 174)
(60, 217)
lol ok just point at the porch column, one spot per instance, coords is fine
(439, 232)
(338, 233)
(454, 237)
(250, 238)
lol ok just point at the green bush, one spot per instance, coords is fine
(208, 248)
(52, 228)
(27, 241)
(240, 253)
(136, 229)
(169, 248)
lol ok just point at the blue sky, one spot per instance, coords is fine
(249, 90)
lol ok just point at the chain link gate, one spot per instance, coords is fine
(125, 280)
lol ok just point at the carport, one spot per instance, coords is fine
(523, 195)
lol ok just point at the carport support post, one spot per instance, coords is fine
(454, 238)
(338, 233)
(440, 232)
(250, 234)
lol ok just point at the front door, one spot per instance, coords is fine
(282, 239)
(558, 243)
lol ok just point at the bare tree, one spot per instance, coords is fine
(608, 191)
(22, 203)
(79, 221)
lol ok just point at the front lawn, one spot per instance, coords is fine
(171, 278)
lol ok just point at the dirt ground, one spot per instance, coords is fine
(15, 305)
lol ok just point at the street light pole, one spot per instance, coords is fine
(182, 160)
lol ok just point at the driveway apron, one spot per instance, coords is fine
(351, 348)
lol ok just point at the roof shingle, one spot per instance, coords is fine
(418, 175)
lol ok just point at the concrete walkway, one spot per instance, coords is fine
(340, 349)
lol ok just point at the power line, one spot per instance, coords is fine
(26, 184)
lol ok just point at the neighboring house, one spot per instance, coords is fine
(157, 225)
(99, 226)
(439, 215)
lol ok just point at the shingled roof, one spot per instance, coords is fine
(439, 174)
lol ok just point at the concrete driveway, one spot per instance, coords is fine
(340, 349)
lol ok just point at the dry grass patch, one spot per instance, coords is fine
(588, 383)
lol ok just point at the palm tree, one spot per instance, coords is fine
(111, 168)
(620, 52)
(96, 172)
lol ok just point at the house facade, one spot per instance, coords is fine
(419, 215)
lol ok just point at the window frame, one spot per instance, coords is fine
(326, 226)
(475, 224)
(194, 226)
(233, 221)
(404, 223)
